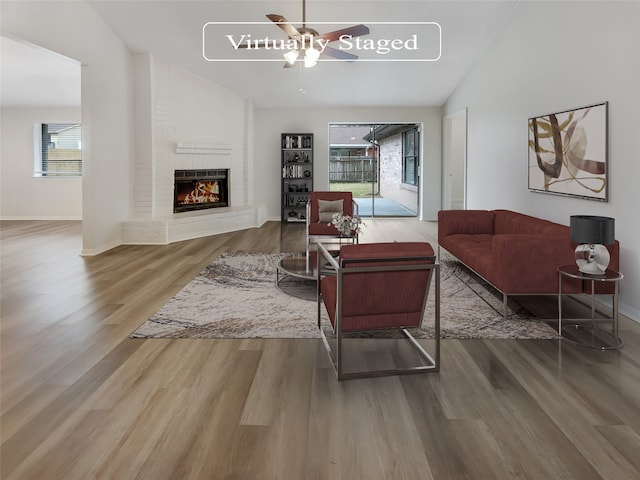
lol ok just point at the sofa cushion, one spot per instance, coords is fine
(474, 251)
(529, 263)
(465, 222)
(512, 222)
(554, 230)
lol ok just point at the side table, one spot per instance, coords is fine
(598, 337)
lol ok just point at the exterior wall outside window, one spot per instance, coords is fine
(391, 185)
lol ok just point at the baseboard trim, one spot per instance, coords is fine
(40, 218)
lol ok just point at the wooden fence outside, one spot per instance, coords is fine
(353, 169)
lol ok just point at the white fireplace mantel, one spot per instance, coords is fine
(203, 148)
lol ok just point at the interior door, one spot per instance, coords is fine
(455, 161)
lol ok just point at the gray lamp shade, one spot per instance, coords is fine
(592, 229)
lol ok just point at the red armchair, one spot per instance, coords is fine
(378, 286)
(320, 209)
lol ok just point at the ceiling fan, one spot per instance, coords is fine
(310, 44)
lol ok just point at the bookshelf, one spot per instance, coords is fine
(297, 175)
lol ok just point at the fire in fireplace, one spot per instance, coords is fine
(200, 189)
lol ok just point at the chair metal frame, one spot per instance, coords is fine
(433, 362)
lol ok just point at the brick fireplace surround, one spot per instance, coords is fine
(183, 225)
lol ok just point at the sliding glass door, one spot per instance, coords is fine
(379, 164)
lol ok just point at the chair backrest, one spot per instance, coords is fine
(316, 197)
(387, 291)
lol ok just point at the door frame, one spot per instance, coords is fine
(418, 193)
(454, 160)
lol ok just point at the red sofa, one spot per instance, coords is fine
(516, 253)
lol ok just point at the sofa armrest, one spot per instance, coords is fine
(455, 222)
(528, 264)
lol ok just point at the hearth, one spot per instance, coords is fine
(200, 189)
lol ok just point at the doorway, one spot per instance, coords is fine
(379, 163)
(454, 181)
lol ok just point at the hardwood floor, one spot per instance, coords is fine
(80, 400)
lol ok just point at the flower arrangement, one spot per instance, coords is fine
(346, 224)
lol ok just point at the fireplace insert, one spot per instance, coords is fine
(200, 189)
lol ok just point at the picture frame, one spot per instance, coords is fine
(568, 153)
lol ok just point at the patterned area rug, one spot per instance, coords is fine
(236, 297)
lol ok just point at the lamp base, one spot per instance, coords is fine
(592, 259)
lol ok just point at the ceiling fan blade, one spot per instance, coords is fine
(339, 54)
(284, 24)
(354, 31)
(288, 65)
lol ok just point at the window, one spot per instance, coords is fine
(410, 156)
(59, 152)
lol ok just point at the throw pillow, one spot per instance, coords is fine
(327, 208)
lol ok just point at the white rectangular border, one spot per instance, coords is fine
(325, 59)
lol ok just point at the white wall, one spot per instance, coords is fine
(74, 29)
(23, 196)
(271, 122)
(555, 56)
(176, 106)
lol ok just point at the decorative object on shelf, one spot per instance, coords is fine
(568, 153)
(346, 224)
(592, 233)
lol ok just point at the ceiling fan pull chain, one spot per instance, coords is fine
(301, 90)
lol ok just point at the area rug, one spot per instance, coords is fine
(236, 297)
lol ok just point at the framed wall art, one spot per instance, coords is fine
(568, 152)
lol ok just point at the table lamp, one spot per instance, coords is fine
(592, 233)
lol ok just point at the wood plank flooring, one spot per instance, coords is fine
(80, 400)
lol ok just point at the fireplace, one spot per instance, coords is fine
(200, 189)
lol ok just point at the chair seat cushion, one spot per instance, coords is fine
(323, 229)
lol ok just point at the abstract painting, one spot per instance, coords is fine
(568, 152)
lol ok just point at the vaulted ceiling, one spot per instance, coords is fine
(173, 32)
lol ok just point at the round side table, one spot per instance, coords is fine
(595, 337)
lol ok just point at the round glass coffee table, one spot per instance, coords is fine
(299, 266)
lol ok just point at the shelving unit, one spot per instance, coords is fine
(297, 175)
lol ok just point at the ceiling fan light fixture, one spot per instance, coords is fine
(291, 56)
(305, 38)
(311, 56)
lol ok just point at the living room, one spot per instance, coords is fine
(549, 57)
(504, 88)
